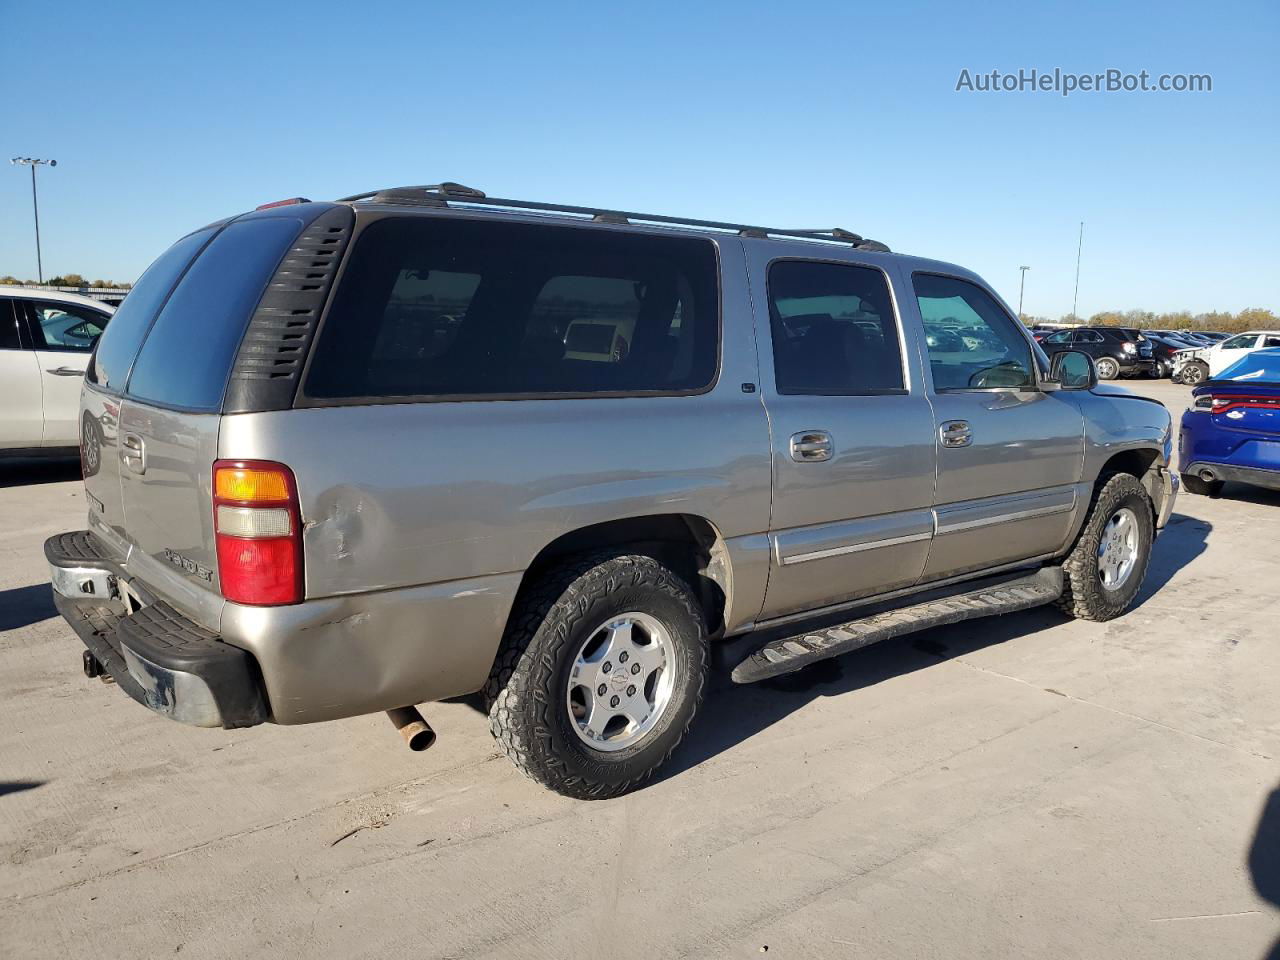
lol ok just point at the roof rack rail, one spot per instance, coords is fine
(441, 194)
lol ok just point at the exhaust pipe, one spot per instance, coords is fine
(416, 731)
(1207, 476)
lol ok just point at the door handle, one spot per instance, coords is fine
(65, 372)
(133, 453)
(955, 433)
(811, 446)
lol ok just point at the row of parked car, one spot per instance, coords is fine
(1125, 351)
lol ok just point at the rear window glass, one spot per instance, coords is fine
(431, 307)
(187, 357)
(119, 343)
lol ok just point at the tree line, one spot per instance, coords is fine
(70, 280)
(1252, 318)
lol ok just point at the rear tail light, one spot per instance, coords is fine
(1221, 403)
(1128, 347)
(258, 530)
(281, 203)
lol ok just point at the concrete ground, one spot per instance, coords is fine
(1023, 787)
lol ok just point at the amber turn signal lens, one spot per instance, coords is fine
(251, 485)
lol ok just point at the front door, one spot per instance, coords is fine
(1010, 457)
(852, 448)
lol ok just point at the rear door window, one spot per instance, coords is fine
(129, 324)
(465, 308)
(834, 330)
(187, 357)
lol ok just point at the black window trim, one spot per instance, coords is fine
(1038, 370)
(302, 400)
(903, 391)
(123, 392)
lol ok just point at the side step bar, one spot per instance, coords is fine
(792, 653)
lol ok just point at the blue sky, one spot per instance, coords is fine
(163, 117)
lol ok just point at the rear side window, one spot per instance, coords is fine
(120, 342)
(187, 357)
(834, 331)
(459, 308)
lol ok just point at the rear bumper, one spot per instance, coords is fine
(1137, 365)
(156, 655)
(1257, 476)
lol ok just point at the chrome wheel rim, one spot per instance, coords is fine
(1118, 549)
(1192, 375)
(1107, 368)
(621, 681)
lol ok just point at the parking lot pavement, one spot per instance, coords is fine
(1024, 787)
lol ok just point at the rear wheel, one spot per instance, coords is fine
(1205, 488)
(599, 676)
(1107, 368)
(1195, 373)
(1104, 570)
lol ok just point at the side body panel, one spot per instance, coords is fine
(420, 518)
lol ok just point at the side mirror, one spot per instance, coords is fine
(1073, 370)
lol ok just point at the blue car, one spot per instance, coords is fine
(1232, 429)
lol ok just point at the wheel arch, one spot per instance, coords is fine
(689, 544)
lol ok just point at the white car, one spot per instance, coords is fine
(1193, 367)
(45, 341)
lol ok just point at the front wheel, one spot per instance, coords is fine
(1107, 368)
(599, 676)
(1195, 373)
(1104, 571)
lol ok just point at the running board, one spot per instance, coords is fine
(792, 653)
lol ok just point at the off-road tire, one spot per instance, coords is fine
(1108, 369)
(1205, 488)
(526, 691)
(1195, 373)
(1083, 596)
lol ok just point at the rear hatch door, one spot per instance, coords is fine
(170, 416)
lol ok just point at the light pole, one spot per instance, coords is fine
(1076, 296)
(34, 162)
(1021, 285)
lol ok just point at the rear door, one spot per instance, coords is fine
(169, 418)
(852, 434)
(104, 381)
(63, 335)
(1010, 457)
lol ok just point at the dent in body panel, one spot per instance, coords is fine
(344, 656)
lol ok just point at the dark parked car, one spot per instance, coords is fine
(1162, 350)
(1116, 351)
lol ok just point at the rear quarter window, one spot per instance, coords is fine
(187, 356)
(120, 341)
(430, 307)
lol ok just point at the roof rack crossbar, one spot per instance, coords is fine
(456, 193)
